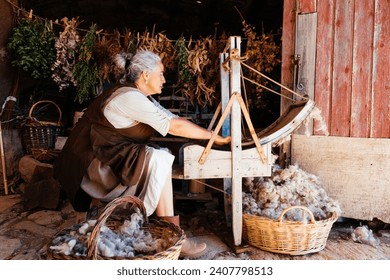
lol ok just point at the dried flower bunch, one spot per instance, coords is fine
(288, 187)
(66, 46)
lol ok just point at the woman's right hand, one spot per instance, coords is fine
(219, 140)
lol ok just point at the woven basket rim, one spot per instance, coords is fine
(41, 122)
(171, 252)
(287, 237)
(333, 216)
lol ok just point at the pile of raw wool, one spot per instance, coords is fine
(269, 196)
(364, 235)
(129, 240)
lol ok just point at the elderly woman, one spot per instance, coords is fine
(107, 154)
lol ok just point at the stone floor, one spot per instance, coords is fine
(24, 235)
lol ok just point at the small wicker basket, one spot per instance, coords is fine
(287, 237)
(157, 228)
(40, 135)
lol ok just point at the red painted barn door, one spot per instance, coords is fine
(352, 62)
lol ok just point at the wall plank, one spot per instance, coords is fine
(342, 69)
(288, 42)
(306, 49)
(362, 68)
(308, 6)
(352, 85)
(324, 69)
(380, 123)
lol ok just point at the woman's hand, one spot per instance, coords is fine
(185, 128)
(219, 140)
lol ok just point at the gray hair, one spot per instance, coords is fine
(134, 65)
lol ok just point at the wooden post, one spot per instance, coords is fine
(235, 87)
(3, 162)
(227, 182)
(305, 48)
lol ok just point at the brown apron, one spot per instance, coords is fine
(94, 137)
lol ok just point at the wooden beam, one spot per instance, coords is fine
(353, 171)
(252, 129)
(207, 149)
(305, 48)
(225, 97)
(235, 87)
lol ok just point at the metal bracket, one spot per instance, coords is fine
(297, 81)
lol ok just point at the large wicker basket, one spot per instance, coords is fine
(287, 237)
(158, 229)
(40, 135)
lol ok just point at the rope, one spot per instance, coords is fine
(271, 90)
(210, 186)
(246, 100)
(268, 78)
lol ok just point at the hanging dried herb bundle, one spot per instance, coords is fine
(184, 82)
(104, 51)
(161, 45)
(66, 46)
(199, 62)
(32, 47)
(182, 62)
(262, 53)
(129, 41)
(164, 47)
(86, 71)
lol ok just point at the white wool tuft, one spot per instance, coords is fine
(288, 187)
(365, 235)
(316, 114)
(129, 240)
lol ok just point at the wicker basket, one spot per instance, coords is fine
(287, 237)
(158, 229)
(39, 134)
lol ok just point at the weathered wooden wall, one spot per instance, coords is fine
(352, 64)
(352, 90)
(353, 170)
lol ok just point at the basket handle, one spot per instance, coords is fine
(110, 207)
(304, 208)
(50, 102)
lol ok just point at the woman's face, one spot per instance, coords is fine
(156, 80)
